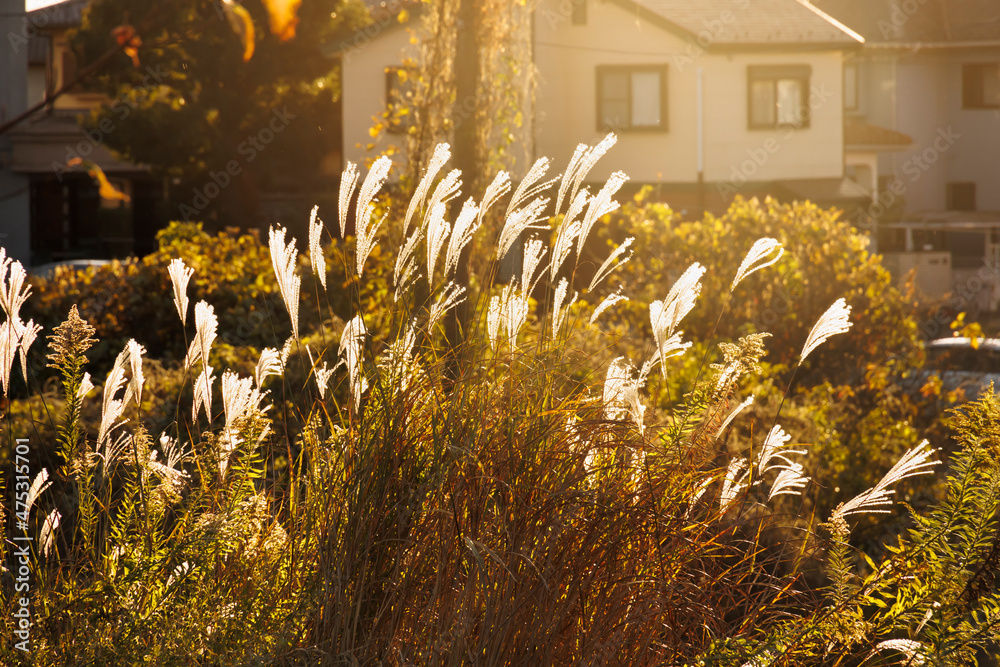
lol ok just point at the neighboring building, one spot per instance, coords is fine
(930, 69)
(709, 99)
(62, 214)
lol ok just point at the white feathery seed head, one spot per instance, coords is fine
(732, 415)
(498, 187)
(911, 648)
(37, 488)
(206, 327)
(607, 302)
(566, 234)
(269, 364)
(836, 320)
(180, 275)
(315, 247)
(734, 481)
(558, 312)
(365, 230)
(406, 264)
(352, 348)
(135, 352)
(529, 186)
(47, 537)
(465, 227)
(203, 393)
(606, 267)
(86, 386)
(450, 297)
(602, 204)
(437, 233)
(757, 259)
(874, 500)
(583, 160)
(441, 155)
(790, 481)
(449, 188)
(348, 182)
(534, 250)
(519, 221)
(283, 259)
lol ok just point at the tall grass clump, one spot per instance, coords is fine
(458, 474)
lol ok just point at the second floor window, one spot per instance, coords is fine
(981, 86)
(778, 96)
(632, 97)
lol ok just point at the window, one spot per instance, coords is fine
(632, 97)
(981, 86)
(960, 196)
(579, 16)
(850, 87)
(399, 98)
(778, 96)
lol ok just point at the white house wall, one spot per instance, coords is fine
(363, 90)
(567, 57)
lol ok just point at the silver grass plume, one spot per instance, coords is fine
(405, 263)
(283, 258)
(534, 250)
(352, 343)
(568, 230)
(315, 248)
(666, 315)
(498, 187)
(180, 275)
(790, 481)
(16, 337)
(442, 152)
(438, 230)
(516, 315)
(699, 491)
(733, 482)
(446, 190)
(37, 488)
(517, 222)
(621, 393)
(461, 234)
(583, 160)
(450, 296)
(607, 302)
(364, 228)
(775, 448)
(348, 181)
(732, 415)
(874, 500)
(602, 204)
(606, 267)
(529, 185)
(494, 318)
(47, 537)
(757, 259)
(269, 364)
(911, 648)
(239, 399)
(86, 386)
(836, 320)
(203, 393)
(135, 352)
(206, 327)
(113, 408)
(558, 312)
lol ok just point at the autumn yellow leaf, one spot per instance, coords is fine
(283, 17)
(241, 23)
(126, 36)
(104, 187)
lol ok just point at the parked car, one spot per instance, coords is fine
(961, 367)
(46, 270)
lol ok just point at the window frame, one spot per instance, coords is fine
(393, 96)
(967, 94)
(603, 70)
(853, 89)
(774, 74)
(957, 191)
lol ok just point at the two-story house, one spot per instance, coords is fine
(930, 69)
(55, 210)
(709, 99)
